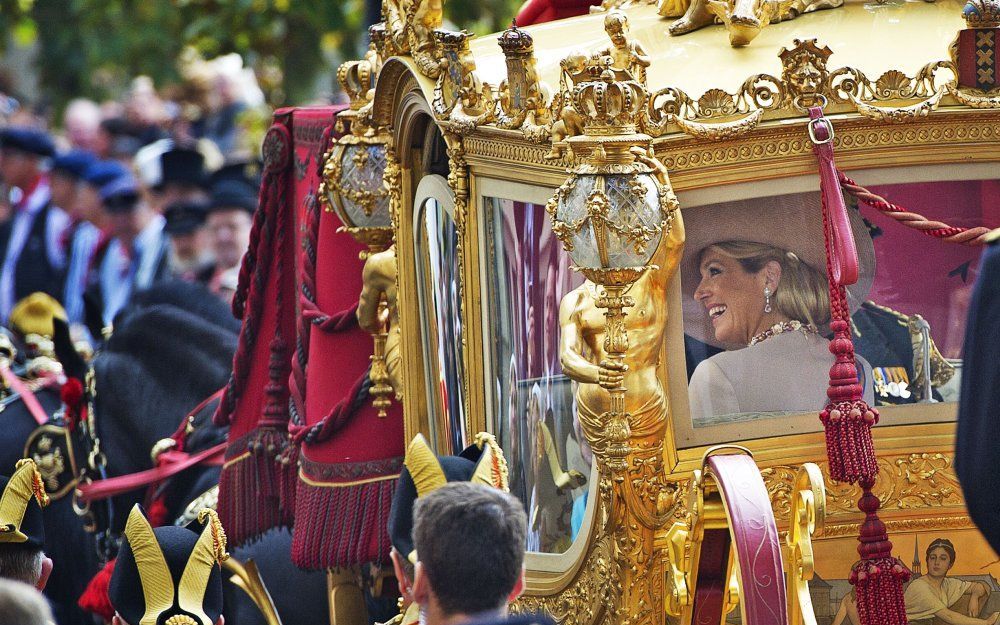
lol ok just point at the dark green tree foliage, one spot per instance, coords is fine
(92, 48)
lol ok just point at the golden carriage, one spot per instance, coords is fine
(491, 329)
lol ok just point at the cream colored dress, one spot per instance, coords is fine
(924, 601)
(785, 374)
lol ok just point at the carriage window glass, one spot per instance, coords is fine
(439, 300)
(550, 462)
(756, 309)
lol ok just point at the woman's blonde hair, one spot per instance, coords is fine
(802, 293)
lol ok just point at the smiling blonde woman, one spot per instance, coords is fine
(755, 284)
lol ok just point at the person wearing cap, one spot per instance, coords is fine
(30, 242)
(183, 176)
(138, 253)
(761, 293)
(22, 533)
(69, 172)
(230, 217)
(188, 239)
(169, 575)
(425, 473)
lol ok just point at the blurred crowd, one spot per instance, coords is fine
(115, 196)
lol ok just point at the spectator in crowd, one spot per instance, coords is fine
(30, 242)
(21, 555)
(230, 217)
(138, 254)
(184, 176)
(81, 122)
(81, 237)
(20, 604)
(188, 239)
(169, 574)
(469, 540)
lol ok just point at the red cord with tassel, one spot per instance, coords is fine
(878, 577)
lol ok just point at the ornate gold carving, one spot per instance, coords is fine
(567, 120)
(378, 313)
(982, 14)
(409, 27)
(808, 514)
(523, 98)
(976, 98)
(459, 96)
(743, 19)
(588, 598)
(458, 181)
(626, 52)
(958, 522)
(805, 81)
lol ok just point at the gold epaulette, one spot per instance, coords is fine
(993, 236)
(902, 319)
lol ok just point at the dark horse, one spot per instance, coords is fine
(170, 349)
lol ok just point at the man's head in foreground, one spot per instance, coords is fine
(470, 543)
(20, 604)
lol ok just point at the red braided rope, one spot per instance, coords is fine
(254, 274)
(936, 229)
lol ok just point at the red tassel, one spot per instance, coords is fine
(878, 577)
(158, 513)
(71, 395)
(251, 489)
(95, 597)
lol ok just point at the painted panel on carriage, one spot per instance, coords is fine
(756, 311)
(535, 416)
(438, 288)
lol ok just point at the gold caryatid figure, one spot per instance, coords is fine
(378, 314)
(584, 359)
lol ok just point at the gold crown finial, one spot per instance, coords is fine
(982, 13)
(608, 98)
(515, 41)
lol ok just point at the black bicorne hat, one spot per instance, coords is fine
(235, 186)
(424, 472)
(185, 217)
(21, 502)
(169, 575)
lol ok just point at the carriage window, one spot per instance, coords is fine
(756, 309)
(550, 462)
(438, 268)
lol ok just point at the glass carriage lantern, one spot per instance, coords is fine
(352, 186)
(611, 213)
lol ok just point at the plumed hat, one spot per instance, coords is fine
(34, 314)
(169, 575)
(424, 472)
(27, 140)
(21, 506)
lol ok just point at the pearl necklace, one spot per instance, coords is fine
(783, 327)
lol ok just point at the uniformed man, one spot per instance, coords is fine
(138, 254)
(30, 242)
(22, 534)
(81, 237)
(425, 473)
(169, 575)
